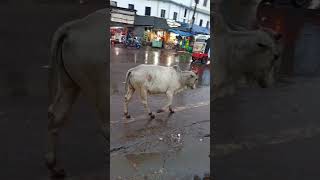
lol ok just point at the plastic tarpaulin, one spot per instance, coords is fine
(181, 33)
(199, 30)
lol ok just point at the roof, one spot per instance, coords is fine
(157, 23)
(200, 30)
(195, 29)
(124, 9)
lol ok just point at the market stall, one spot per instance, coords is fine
(155, 30)
(122, 20)
(183, 39)
(117, 33)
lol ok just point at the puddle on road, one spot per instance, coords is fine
(171, 163)
(168, 150)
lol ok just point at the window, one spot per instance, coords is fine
(200, 24)
(208, 23)
(205, 3)
(175, 14)
(185, 13)
(131, 6)
(163, 13)
(148, 11)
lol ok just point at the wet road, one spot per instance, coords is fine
(269, 133)
(163, 148)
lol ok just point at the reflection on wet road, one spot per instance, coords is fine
(165, 147)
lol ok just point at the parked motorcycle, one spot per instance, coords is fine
(132, 42)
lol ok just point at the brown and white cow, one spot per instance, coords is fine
(154, 79)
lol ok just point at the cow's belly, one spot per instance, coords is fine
(156, 89)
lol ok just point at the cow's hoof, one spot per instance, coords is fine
(55, 172)
(171, 111)
(152, 116)
(127, 115)
(160, 111)
(58, 173)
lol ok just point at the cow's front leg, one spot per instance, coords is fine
(169, 103)
(144, 100)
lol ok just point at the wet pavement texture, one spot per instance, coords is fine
(171, 146)
(268, 133)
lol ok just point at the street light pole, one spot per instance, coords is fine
(194, 12)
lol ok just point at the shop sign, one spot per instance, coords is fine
(122, 16)
(173, 23)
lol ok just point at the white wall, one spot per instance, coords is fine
(170, 8)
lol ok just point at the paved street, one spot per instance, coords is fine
(268, 133)
(163, 148)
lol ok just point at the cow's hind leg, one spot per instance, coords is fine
(57, 115)
(169, 103)
(144, 100)
(127, 99)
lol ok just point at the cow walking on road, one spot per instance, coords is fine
(154, 79)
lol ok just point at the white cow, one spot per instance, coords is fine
(154, 79)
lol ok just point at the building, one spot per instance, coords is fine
(178, 10)
(122, 20)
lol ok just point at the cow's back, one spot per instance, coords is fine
(157, 79)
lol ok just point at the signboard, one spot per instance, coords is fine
(122, 16)
(173, 23)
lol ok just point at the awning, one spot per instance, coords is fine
(195, 29)
(117, 24)
(155, 22)
(181, 33)
(200, 30)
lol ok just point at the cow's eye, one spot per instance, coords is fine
(191, 76)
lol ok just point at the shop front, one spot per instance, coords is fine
(117, 33)
(154, 30)
(181, 39)
(158, 37)
(122, 20)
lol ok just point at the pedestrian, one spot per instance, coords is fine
(162, 39)
(129, 36)
(183, 42)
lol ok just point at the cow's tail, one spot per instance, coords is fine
(128, 83)
(56, 67)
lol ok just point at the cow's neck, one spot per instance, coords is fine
(182, 83)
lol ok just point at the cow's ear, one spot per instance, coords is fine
(176, 67)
